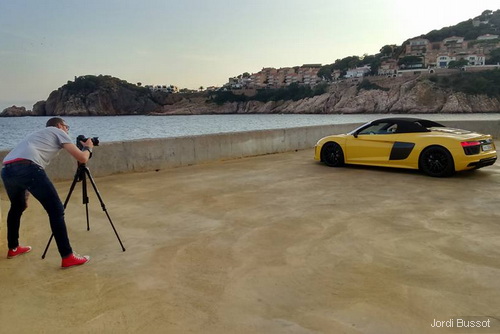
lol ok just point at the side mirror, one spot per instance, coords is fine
(355, 134)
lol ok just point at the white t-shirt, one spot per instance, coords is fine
(40, 146)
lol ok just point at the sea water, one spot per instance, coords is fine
(123, 128)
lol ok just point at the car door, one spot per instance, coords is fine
(371, 145)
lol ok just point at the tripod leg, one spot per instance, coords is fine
(47, 247)
(71, 188)
(85, 198)
(103, 206)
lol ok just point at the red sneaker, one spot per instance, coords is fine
(18, 251)
(74, 260)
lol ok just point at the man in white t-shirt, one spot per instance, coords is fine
(24, 171)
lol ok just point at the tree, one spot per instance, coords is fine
(495, 19)
(375, 65)
(325, 72)
(201, 88)
(352, 62)
(474, 83)
(410, 60)
(458, 63)
(368, 59)
(486, 14)
(321, 88)
(139, 84)
(494, 56)
(398, 50)
(346, 63)
(387, 50)
(466, 29)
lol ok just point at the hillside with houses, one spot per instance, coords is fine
(477, 49)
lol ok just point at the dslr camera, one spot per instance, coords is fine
(80, 138)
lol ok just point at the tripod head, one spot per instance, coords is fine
(80, 171)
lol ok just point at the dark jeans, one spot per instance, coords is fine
(19, 177)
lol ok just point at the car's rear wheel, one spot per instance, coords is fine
(437, 161)
(332, 155)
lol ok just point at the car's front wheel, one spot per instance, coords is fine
(332, 155)
(437, 161)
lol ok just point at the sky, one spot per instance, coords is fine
(193, 43)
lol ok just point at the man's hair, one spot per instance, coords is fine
(54, 121)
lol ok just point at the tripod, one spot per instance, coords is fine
(82, 173)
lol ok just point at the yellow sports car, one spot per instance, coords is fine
(408, 143)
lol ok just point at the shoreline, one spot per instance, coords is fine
(264, 113)
(129, 127)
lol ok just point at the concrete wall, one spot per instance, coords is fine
(152, 154)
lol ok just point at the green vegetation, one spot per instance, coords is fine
(484, 43)
(373, 61)
(220, 97)
(458, 63)
(408, 61)
(485, 82)
(89, 83)
(466, 29)
(368, 85)
(293, 92)
(494, 57)
(341, 65)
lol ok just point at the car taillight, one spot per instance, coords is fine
(469, 143)
(471, 147)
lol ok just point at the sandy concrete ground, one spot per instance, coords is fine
(269, 244)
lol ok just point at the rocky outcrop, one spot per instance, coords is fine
(102, 95)
(396, 95)
(16, 111)
(109, 99)
(39, 108)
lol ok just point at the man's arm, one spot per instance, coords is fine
(80, 156)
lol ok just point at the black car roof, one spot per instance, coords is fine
(409, 124)
(398, 119)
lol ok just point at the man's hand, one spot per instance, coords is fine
(88, 143)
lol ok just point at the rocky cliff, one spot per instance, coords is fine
(103, 95)
(111, 96)
(16, 111)
(394, 95)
